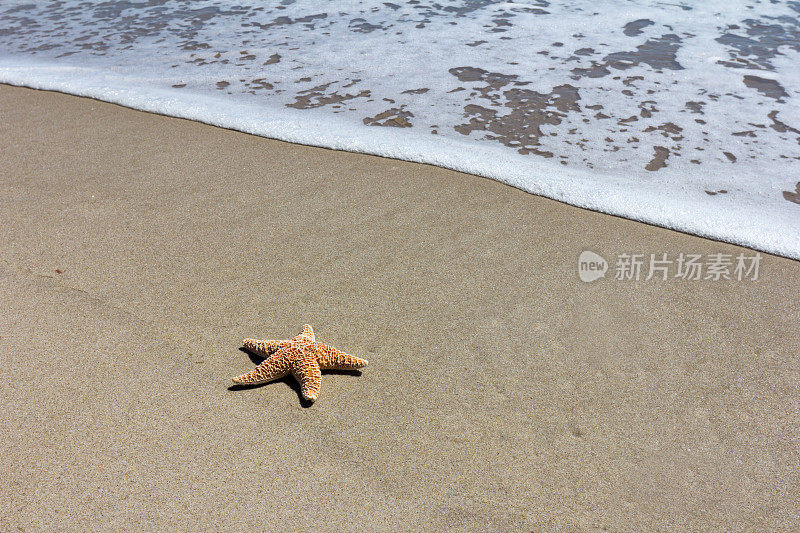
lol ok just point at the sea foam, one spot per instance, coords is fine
(678, 114)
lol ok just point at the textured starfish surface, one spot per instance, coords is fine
(301, 356)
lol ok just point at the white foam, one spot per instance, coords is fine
(379, 64)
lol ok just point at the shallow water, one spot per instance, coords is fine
(683, 114)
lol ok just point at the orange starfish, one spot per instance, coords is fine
(302, 356)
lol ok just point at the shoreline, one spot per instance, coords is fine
(699, 215)
(139, 250)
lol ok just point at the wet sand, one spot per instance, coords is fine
(502, 393)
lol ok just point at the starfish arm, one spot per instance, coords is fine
(272, 368)
(333, 359)
(307, 335)
(310, 378)
(264, 348)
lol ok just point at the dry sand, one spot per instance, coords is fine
(502, 392)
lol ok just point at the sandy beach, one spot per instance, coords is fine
(503, 393)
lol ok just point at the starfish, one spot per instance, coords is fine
(301, 356)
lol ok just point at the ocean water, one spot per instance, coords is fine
(683, 114)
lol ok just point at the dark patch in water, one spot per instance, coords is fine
(695, 107)
(669, 130)
(260, 83)
(494, 80)
(308, 21)
(317, 97)
(659, 53)
(500, 24)
(394, 117)
(648, 108)
(767, 87)
(629, 81)
(782, 127)
(596, 70)
(634, 28)
(360, 25)
(793, 196)
(659, 160)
